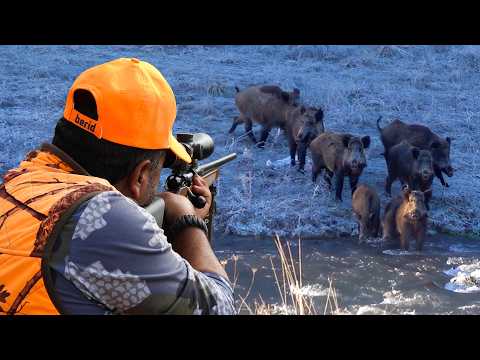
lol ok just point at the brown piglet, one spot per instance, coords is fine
(405, 219)
(366, 207)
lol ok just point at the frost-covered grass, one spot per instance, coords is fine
(433, 85)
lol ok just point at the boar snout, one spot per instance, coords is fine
(415, 215)
(426, 175)
(357, 166)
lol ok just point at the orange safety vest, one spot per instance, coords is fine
(35, 201)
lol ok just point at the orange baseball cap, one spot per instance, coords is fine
(135, 104)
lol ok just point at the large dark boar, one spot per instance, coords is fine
(267, 105)
(412, 166)
(423, 138)
(303, 125)
(340, 155)
(405, 218)
(366, 207)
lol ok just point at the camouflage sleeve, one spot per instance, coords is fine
(119, 260)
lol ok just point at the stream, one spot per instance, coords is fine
(368, 279)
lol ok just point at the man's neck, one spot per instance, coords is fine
(77, 168)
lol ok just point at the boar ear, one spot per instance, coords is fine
(415, 152)
(435, 145)
(366, 141)
(285, 96)
(346, 140)
(302, 110)
(319, 115)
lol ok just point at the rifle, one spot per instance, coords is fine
(199, 146)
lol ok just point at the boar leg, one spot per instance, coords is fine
(353, 183)
(263, 137)
(249, 130)
(315, 171)
(302, 154)
(293, 151)
(420, 237)
(388, 184)
(428, 197)
(361, 230)
(328, 178)
(377, 226)
(405, 237)
(438, 173)
(389, 230)
(339, 178)
(234, 125)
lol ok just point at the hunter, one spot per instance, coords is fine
(74, 235)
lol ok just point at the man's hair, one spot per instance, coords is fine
(101, 158)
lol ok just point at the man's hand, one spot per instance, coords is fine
(177, 205)
(200, 187)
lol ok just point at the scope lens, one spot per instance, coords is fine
(203, 146)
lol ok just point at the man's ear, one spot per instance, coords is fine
(138, 179)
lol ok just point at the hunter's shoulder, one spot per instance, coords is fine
(110, 212)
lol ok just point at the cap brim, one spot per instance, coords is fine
(179, 150)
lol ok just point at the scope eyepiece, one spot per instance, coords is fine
(199, 146)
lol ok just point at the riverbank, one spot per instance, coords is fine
(259, 194)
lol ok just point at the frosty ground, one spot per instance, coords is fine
(259, 194)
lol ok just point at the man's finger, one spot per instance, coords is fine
(198, 180)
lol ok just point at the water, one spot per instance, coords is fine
(442, 279)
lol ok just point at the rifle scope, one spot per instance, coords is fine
(199, 146)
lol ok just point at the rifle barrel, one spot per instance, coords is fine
(205, 168)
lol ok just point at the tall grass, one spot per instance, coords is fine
(289, 283)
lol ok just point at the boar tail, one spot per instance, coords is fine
(237, 89)
(378, 124)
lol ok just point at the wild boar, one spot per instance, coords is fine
(423, 138)
(267, 105)
(303, 125)
(341, 155)
(412, 166)
(366, 207)
(405, 218)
